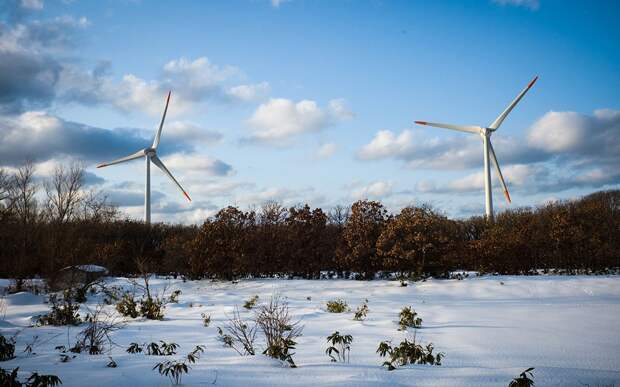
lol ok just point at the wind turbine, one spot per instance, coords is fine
(150, 155)
(485, 133)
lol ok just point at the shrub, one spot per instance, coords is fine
(165, 349)
(127, 306)
(341, 346)
(64, 311)
(36, 380)
(206, 319)
(226, 339)
(361, 311)
(523, 380)
(408, 318)
(408, 352)
(241, 334)
(280, 330)
(9, 379)
(249, 304)
(7, 348)
(111, 363)
(174, 297)
(96, 336)
(337, 306)
(152, 308)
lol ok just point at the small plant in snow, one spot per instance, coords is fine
(206, 319)
(280, 330)
(135, 348)
(523, 380)
(341, 346)
(408, 352)
(111, 363)
(174, 369)
(64, 311)
(152, 308)
(36, 380)
(408, 318)
(165, 349)
(29, 349)
(9, 379)
(249, 304)
(226, 339)
(127, 306)
(337, 306)
(361, 311)
(241, 333)
(97, 334)
(174, 297)
(7, 348)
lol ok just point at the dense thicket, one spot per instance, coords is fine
(45, 227)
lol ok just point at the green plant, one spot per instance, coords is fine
(341, 346)
(206, 319)
(163, 349)
(36, 380)
(337, 306)
(174, 369)
(408, 352)
(64, 311)
(523, 380)
(249, 304)
(361, 311)
(9, 379)
(7, 348)
(127, 306)
(408, 318)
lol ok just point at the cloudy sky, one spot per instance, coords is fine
(314, 101)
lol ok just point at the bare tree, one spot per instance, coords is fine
(64, 192)
(6, 202)
(339, 215)
(23, 192)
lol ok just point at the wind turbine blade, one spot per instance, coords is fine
(498, 121)
(136, 155)
(165, 170)
(499, 172)
(161, 125)
(460, 128)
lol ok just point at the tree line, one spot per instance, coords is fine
(46, 226)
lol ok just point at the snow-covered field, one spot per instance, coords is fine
(490, 328)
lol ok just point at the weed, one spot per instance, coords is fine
(206, 319)
(280, 330)
(341, 346)
(337, 306)
(523, 380)
(127, 306)
(361, 311)
(7, 348)
(408, 318)
(408, 352)
(249, 304)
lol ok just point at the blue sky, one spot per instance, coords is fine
(314, 101)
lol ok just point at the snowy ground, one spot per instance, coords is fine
(568, 328)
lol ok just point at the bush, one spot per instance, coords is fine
(206, 319)
(361, 311)
(127, 306)
(408, 318)
(96, 336)
(341, 346)
(280, 330)
(174, 297)
(152, 308)
(9, 379)
(36, 380)
(135, 348)
(7, 348)
(64, 311)
(165, 349)
(523, 380)
(337, 306)
(408, 352)
(249, 304)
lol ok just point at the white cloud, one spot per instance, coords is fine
(249, 92)
(277, 3)
(387, 144)
(374, 190)
(326, 150)
(195, 163)
(32, 4)
(190, 133)
(279, 119)
(529, 4)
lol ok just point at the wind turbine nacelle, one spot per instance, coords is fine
(149, 152)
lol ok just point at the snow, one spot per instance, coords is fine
(89, 268)
(491, 328)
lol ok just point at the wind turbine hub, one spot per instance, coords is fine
(150, 152)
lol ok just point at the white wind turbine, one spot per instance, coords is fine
(486, 133)
(150, 154)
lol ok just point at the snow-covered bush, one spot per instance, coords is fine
(523, 380)
(337, 306)
(206, 319)
(7, 348)
(340, 345)
(279, 328)
(361, 311)
(408, 352)
(408, 318)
